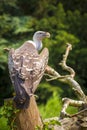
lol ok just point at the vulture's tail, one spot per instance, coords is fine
(22, 102)
(21, 99)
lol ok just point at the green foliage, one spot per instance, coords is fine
(8, 112)
(3, 124)
(72, 110)
(49, 125)
(48, 91)
(52, 107)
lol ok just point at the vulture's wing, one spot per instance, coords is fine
(26, 69)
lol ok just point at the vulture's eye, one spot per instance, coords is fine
(40, 33)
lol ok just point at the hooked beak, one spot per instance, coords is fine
(47, 34)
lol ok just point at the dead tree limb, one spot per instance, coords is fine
(68, 79)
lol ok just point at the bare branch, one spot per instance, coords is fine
(80, 112)
(77, 88)
(63, 62)
(67, 78)
(53, 74)
(50, 119)
(70, 81)
(66, 103)
(51, 71)
(7, 49)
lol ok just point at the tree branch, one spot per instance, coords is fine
(66, 103)
(63, 62)
(69, 79)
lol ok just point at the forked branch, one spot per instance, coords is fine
(69, 79)
(63, 62)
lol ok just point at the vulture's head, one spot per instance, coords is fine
(37, 38)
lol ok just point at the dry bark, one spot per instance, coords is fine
(29, 118)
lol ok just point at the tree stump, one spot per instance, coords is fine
(29, 119)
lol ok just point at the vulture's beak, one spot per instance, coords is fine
(47, 34)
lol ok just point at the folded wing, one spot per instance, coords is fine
(26, 68)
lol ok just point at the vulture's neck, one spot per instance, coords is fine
(38, 44)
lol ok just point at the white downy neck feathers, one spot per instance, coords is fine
(37, 39)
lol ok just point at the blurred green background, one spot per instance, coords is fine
(67, 22)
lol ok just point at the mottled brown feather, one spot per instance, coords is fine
(26, 68)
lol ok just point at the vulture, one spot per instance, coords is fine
(26, 67)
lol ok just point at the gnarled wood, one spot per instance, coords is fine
(29, 118)
(68, 79)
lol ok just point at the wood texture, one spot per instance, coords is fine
(29, 118)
